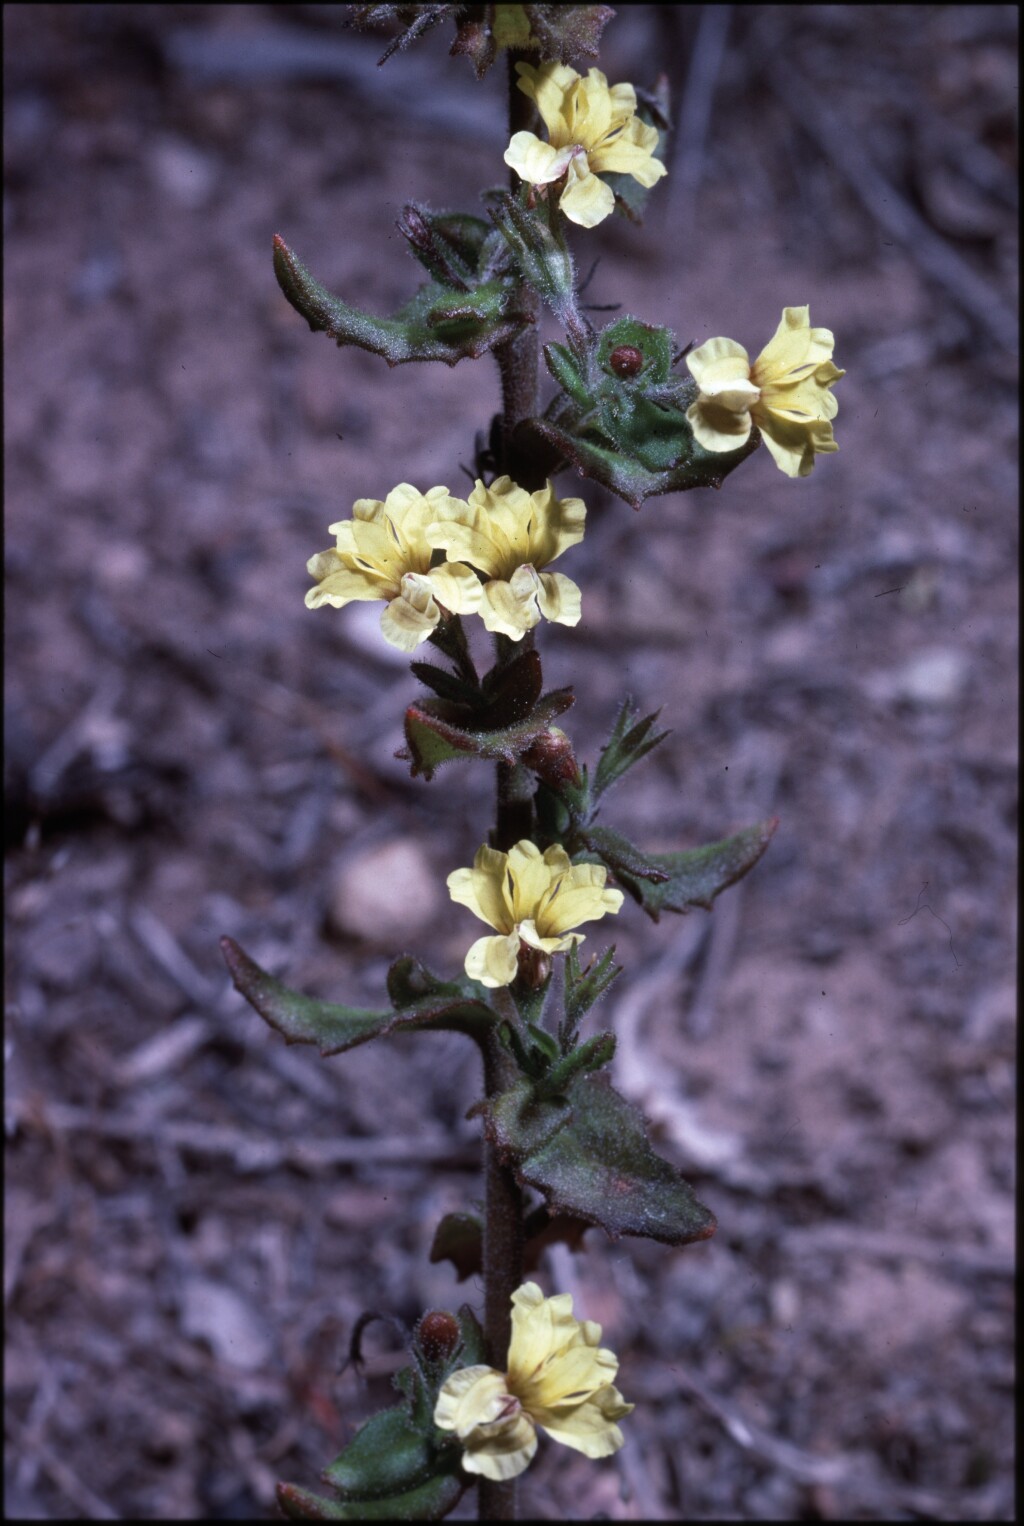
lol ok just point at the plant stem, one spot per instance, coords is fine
(518, 358)
(503, 1214)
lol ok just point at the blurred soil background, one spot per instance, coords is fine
(197, 1215)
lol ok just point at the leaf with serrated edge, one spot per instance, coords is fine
(600, 1167)
(698, 875)
(304, 1020)
(432, 739)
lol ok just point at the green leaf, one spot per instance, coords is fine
(448, 685)
(510, 690)
(630, 741)
(435, 733)
(429, 1501)
(599, 1167)
(459, 1239)
(542, 257)
(518, 1121)
(697, 875)
(567, 373)
(584, 987)
(305, 1020)
(448, 244)
(621, 857)
(593, 1054)
(388, 1455)
(440, 322)
(628, 478)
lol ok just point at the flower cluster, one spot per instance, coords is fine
(592, 129)
(786, 393)
(528, 897)
(558, 1378)
(500, 541)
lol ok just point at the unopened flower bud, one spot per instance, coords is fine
(534, 966)
(438, 1335)
(551, 757)
(626, 360)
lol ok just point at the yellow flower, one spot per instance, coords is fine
(509, 535)
(558, 1378)
(592, 129)
(382, 553)
(786, 392)
(530, 897)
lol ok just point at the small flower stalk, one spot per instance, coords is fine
(472, 581)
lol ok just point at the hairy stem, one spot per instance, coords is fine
(518, 358)
(503, 1214)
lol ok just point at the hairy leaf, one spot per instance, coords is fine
(439, 323)
(459, 1239)
(305, 1020)
(600, 1167)
(435, 733)
(695, 876)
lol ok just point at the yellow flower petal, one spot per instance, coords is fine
(457, 587)
(483, 889)
(548, 86)
(409, 619)
(559, 945)
(493, 961)
(530, 875)
(628, 152)
(586, 200)
(472, 1396)
(794, 446)
(579, 896)
(499, 1439)
(795, 348)
(337, 584)
(559, 599)
(716, 361)
(536, 162)
(588, 1427)
(717, 429)
(512, 608)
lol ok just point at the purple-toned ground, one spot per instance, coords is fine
(195, 1215)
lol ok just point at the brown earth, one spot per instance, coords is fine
(195, 1215)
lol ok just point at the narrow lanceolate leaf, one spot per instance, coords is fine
(600, 1167)
(440, 322)
(305, 1020)
(436, 733)
(631, 740)
(695, 876)
(583, 987)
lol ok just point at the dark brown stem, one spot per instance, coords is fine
(503, 1214)
(503, 1271)
(518, 358)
